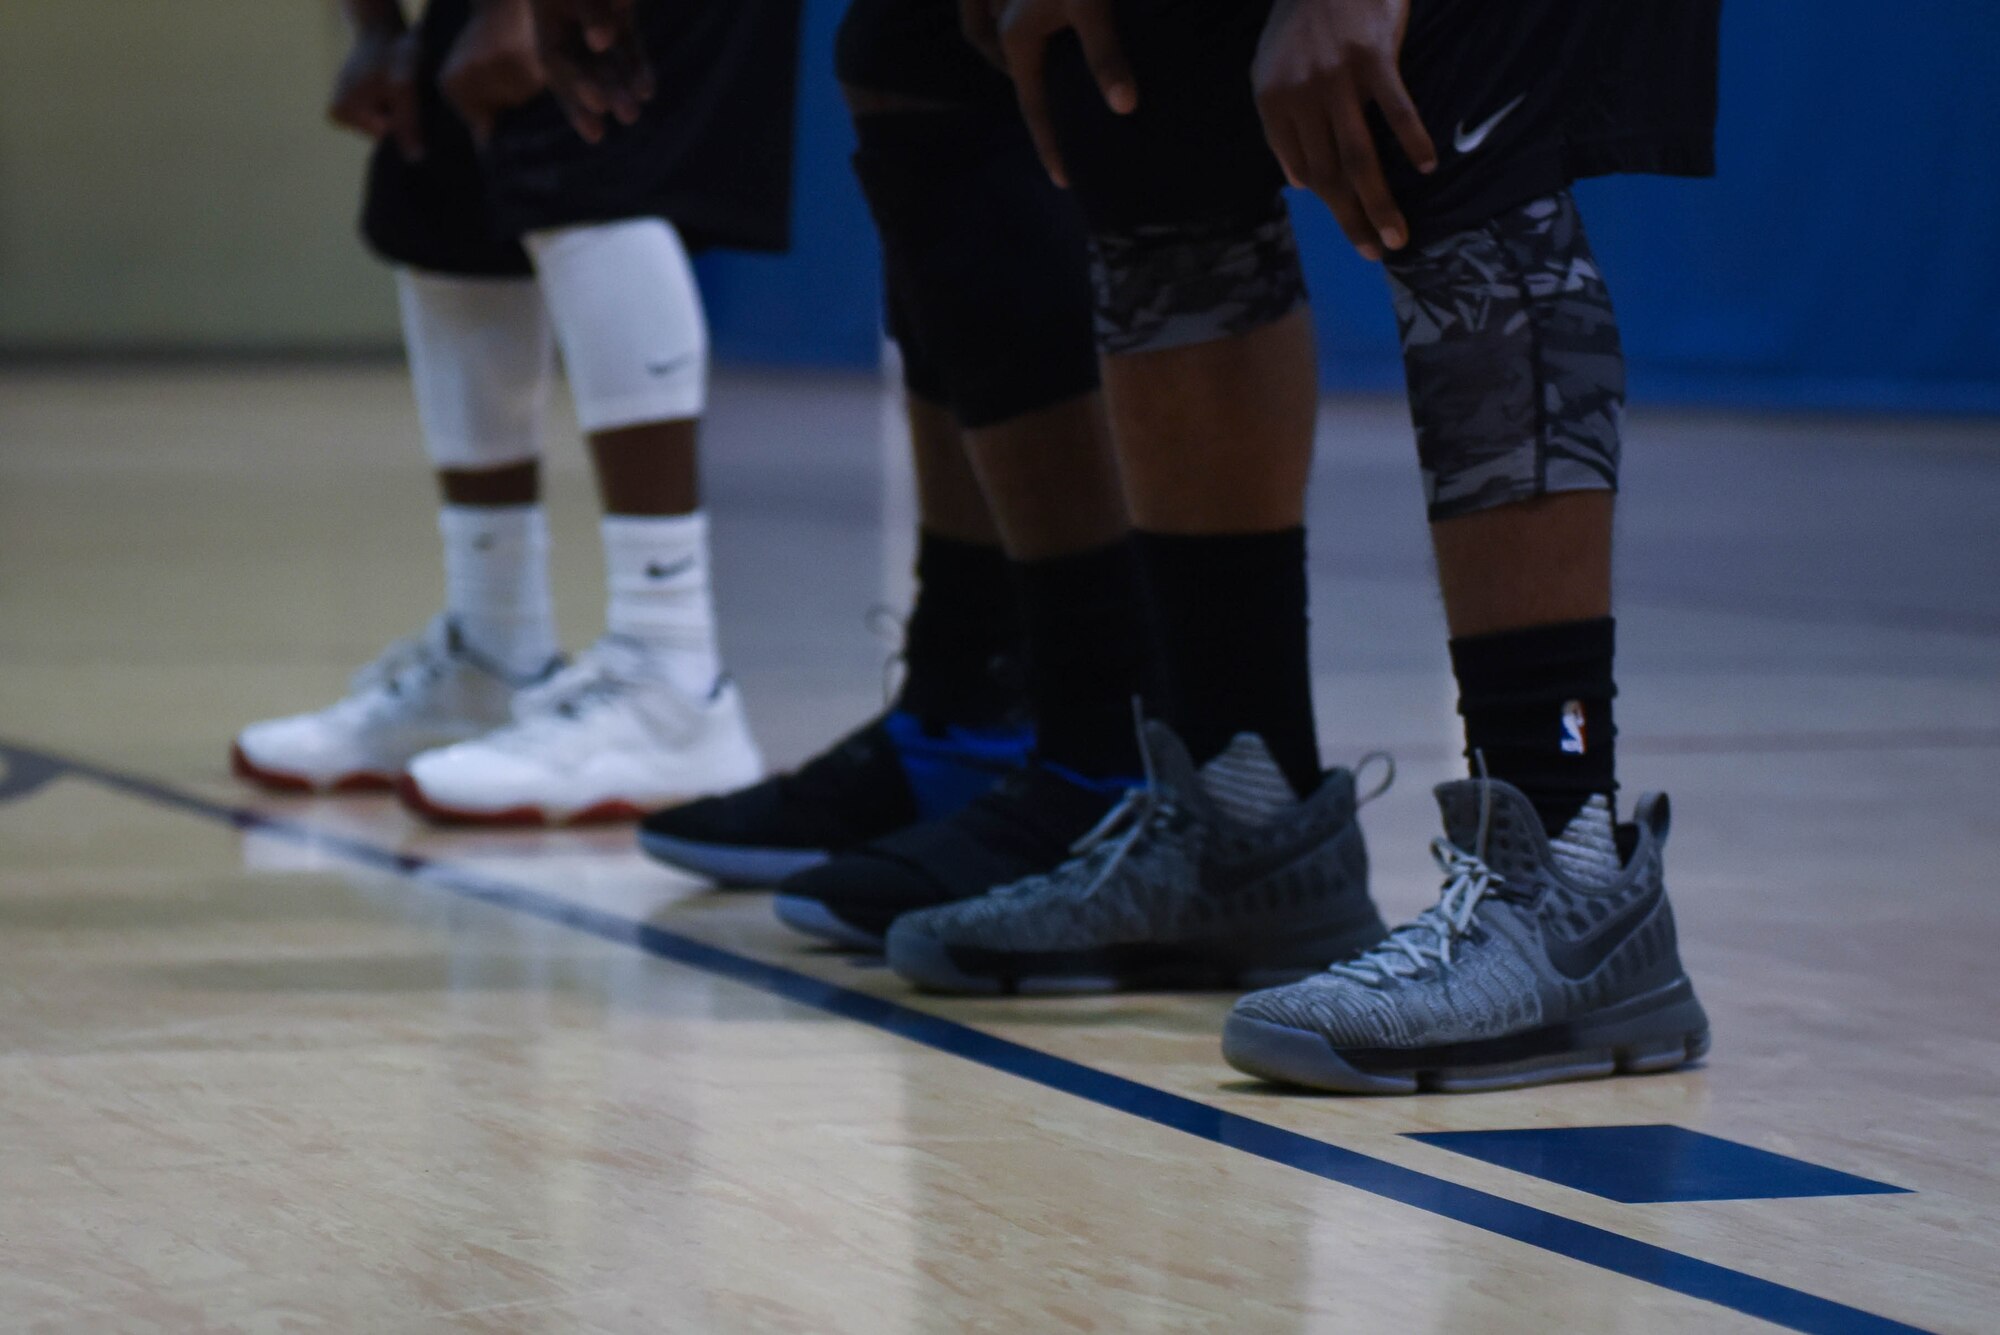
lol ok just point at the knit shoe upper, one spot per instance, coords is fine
(1518, 974)
(1023, 824)
(889, 773)
(1201, 878)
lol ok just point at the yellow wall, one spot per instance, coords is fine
(168, 179)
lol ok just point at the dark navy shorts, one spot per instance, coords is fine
(1521, 97)
(711, 153)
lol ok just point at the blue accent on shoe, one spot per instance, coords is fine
(1111, 785)
(946, 770)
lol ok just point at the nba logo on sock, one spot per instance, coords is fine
(1572, 741)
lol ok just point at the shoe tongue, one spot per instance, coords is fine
(442, 636)
(1167, 758)
(621, 655)
(1245, 783)
(1242, 782)
(1515, 840)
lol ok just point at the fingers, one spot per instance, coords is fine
(1105, 54)
(1318, 129)
(365, 115)
(577, 95)
(594, 62)
(981, 27)
(405, 122)
(1392, 95)
(628, 80)
(1026, 49)
(1327, 177)
(1362, 169)
(604, 23)
(586, 120)
(1284, 141)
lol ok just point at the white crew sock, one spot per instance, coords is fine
(496, 584)
(657, 569)
(1587, 849)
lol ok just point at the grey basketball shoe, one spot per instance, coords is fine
(1211, 878)
(1516, 976)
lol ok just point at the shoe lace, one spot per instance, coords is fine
(893, 630)
(1099, 851)
(402, 669)
(596, 679)
(1430, 939)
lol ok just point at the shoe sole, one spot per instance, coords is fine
(610, 812)
(811, 917)
(933, 965)
(731, 865)
(1658, 1032)
(281, 781)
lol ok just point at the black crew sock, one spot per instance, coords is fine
(1537, 707)
(962, 649)
(1231, 617)
(1088, 647)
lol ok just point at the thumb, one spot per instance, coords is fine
(1105, 55)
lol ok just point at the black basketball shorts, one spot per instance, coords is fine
(1521, 97)
(915, 48)
(711, 153)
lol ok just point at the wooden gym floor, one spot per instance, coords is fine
(307, 1065)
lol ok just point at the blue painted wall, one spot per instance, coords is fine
(1847, 257)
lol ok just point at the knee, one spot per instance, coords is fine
(1177, 284)
(986, 261)
(629, 318)
(479, 351)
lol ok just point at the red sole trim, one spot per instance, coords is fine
(278, 781)
(613, 812)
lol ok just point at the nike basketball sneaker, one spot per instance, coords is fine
(1518, 975)
(424, 692)
(1212, 877)
(607, 738)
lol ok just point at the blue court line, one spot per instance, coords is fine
(1602, 1248)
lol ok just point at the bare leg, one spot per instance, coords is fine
(1215, 441)
(649, 469)
(1558, 564)
(950, 502)
(1051, 480)
(1218, 437)
(512, 484)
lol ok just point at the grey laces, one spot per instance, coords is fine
(1430, 937)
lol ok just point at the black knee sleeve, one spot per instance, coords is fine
(1511, 351)
(1171, 285)
(986, 262)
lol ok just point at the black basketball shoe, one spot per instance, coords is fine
(890, 773)
(1023, 825)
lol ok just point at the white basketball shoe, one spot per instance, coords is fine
(423, 692)
(607, 738)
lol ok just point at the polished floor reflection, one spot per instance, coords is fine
(297, 1064)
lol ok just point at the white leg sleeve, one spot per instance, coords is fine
(629, 318)
(481, 359)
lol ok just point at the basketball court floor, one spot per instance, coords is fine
(290, 1064)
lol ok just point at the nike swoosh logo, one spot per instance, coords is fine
(1577, 960)
(670, 365)
(1468, 141)
(658, 571)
